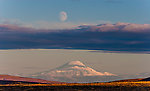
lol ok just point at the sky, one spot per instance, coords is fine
(42, 14)
(112, 25)
(30, 61)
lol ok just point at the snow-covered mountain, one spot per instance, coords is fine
(75, 71)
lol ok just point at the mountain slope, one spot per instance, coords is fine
(16, 82)
(75, 71)
(13, 79)
(130, 80)
(146, 79)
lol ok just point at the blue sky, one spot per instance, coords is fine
(54, 15)
(78, 11)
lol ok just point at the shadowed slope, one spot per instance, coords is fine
(146, 79)
(5, 78)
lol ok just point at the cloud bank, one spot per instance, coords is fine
(123, 37)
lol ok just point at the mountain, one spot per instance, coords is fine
(16, 82)
(7, 79)
(130, 80)
(137, 75)
(134, 80)
(75, 71)
(146, 79)
(143, 74)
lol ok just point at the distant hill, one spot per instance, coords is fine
(7, 79)
(146, 79)
(17, 82)
(130, 80)
(134, 80)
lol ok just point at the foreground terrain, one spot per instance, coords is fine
(110, 86)
(16, 83)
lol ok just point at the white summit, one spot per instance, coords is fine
(71, 71)
(76, 63)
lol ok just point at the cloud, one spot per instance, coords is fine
(119, 27)
(122, 37)
(17, 22)
(62, 25)
(54, 25)
(48, 25)
(63, 16)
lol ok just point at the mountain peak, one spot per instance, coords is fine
(72, 71)
(78, 63)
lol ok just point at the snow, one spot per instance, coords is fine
(77, 68)
(73, 69)
(76, 63)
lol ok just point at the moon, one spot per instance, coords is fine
(63, 16)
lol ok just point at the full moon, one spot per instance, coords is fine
(63, 16)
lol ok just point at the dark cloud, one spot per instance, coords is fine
(123, 37)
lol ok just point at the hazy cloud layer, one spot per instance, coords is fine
(125, 37)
